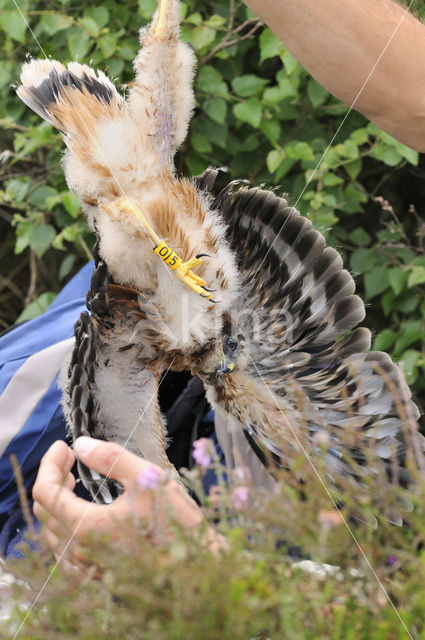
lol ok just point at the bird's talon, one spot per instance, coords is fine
(202, 255)
(209, 290)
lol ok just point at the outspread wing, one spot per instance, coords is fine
(109, 387)
(297, 315)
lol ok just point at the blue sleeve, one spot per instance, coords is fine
(45, 424)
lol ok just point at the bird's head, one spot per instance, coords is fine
(221, 359)
(229, 351)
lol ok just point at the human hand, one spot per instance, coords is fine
(67, 519)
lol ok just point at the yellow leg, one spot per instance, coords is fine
(192, 281)
(168, 19)
(183, 270)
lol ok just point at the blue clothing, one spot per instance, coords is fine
(37, 415)
(45, 422)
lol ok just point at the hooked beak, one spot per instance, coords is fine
(224, 367)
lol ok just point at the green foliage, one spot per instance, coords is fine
(259, 114)
(178, 589)
(262, 116)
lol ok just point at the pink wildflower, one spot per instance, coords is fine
(242, 474)
(329, 518)
(240, 497)
(149, 478)
(320, 438)
(202, 450)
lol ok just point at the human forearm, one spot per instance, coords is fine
(340, 41)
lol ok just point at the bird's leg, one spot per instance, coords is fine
(183, 270)
(167, 22)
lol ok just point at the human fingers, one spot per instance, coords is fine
(112, 460)
(54, 495)
(55, 466)
(64, 554)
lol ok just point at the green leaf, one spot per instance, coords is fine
(200, 143)
(39, 196)
(202, 36)
(409, 364)
(127, 52)
(39, 306)
(40, 237)
(115, 67)
(406, 302)
(78, 44)
(316, 93)
(275, 159)
(397, 278)
(388, 301)
(17, 189)
(213, 131)
(5, 73)
(362, 260)
(194, 18)
(411, 332)
(196, 165)
(285, 89)
(215, 21)
(270, 45)
(271, 129)
(289, 62)
(360, 136)
(211, 81)
(52, 23)
(331, 180)
(300, 151)
(66, 266)
(354, 196)
(416, 276)
(216, 109)
(409, 154)
(376, 281)
(351, 149)
(248, 85)
(23, 230)
(71, 204)
(100, 15)
(108, 45)
(147, 8)
(360, 237)
(384, 340)
(353, 168)
(249, 111)
(284, 168)
(14, 24)
(388, 155)
(90, 26)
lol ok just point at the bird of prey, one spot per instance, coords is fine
(237, 287)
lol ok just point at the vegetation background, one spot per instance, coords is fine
(264, 118)
(259, 114)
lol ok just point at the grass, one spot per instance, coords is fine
(253, 590)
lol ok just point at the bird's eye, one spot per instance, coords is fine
(231, 343)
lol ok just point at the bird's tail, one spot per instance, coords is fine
(90, 113)
(72, 99)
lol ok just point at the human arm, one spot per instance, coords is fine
(340, 41)
(63, 514)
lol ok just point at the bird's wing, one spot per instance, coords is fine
(109, 387)
(297, 315)
(104, 156)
